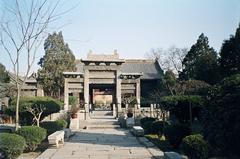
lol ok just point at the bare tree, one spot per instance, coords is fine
(170, 59)
(22, 29)
(36, 111)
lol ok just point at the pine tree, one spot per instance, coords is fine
(200, 63)
(4, 77)
(230, 55)
(57, 59)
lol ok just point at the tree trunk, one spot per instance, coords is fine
(38, 121)
(17, 107)
(59, 93)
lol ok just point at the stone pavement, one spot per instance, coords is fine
(104, 144)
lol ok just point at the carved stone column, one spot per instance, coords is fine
(151, 110)
(86, 92)
(114, 110)
(66, 94)
(138, 93)
(118, 92)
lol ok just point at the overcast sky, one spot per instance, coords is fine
(133, 27)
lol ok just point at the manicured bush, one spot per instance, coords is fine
(11, 145)
(195, 147)
(175, 133)
(147, 126)
(33, 135)
(146, 123)
(157, 127)
(143, 120)
(52, 126)
(47, 104)
(61, 123)
(179, 106)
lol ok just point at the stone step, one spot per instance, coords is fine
(103, 113)
(100, 117)
(103, 123)
(103, 126)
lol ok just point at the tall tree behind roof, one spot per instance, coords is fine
(200, 63)
(57, 59)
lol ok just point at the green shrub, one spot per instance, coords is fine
(52, 126)
(48, 104)
(11, 145)
(175, 133)
(157, 127)
(179, 106)
(143, 120)
(33, 135)
(221, 119)
(147, 126)
(195, 147)
(61, 123)
(72, 100)
(146, 123)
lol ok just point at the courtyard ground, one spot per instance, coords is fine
(104, 144)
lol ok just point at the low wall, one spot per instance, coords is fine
(55, 116)
(145, 112)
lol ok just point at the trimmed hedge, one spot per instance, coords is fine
(11, 145)
(146, 123)
(175, 133)
(158, 127)
(179, 106)
(52, 126)
(33, 135)
(48, 104)
(143, 120)
(195, 147)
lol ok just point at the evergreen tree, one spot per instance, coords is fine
(57, 59)
(230, 55)
(4, 77)
(200, 63)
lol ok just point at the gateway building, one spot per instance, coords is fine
(102, 81)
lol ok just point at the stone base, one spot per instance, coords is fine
(138, 131)
(67, 133)
(74, 124)
(122, 122)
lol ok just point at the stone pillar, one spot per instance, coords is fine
(151, 110)
(138, 93)
(114, 110)
(86, 92)
(66, 94)
(118, 92)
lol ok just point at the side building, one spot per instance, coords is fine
(31, 88)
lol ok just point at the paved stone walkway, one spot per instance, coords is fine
(104, 144)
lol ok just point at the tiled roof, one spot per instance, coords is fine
(149, 68)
